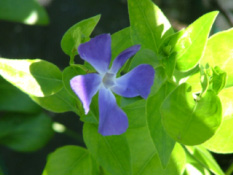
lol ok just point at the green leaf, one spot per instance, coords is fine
(163, 142)
(145, 56)
(222, 141)
(204, 158)
(70, 160)
(23, 132)
(60, 102)
(191, 121)
(111, 152)
(219, 79)
(219, 53)
(145, 161)
(148, 24)
(34, 77)
(121, 40)
(191, 44)
(11, 99)
(160, 78)
(77, 34)
(25, 11)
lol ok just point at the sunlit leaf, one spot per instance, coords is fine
(148, 24)
(191, 121)
(35, 77)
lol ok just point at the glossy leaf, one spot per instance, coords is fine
(23, 132)
(148, 24)
(205, 159)
(9, 99)
(34, 77)
(191, 44)
(70, 160)
(190, 121)
(163, 142)
(219, 53)
(78, 34)
(111, 152)
(146, 161)
(25, 11)
(60, 102)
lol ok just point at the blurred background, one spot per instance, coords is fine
(19, 40)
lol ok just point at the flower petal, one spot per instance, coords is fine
(136, 82)
(123, 57)
(112, 120)
(85, 87)
(97, 52)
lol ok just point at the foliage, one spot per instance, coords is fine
(187, 114)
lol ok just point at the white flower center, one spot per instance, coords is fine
(109, 80)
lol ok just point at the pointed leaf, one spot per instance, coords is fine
(163, 142)
(148, 24)
(78, 34)
(191, 44)
(34, 77)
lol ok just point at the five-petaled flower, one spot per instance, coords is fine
(112, 119)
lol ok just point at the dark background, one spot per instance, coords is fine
(22, 41)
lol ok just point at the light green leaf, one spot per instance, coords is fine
(77, 34)
(218, 79)
(163, 142)
(148, 24)
(219, 53)
(12, 99)
(191, 44)
(222, 141)
(204, 158)
(34, 77)
(70, 160)
(111, 152)
(23, 132)
(25, 11)
(160, 78)
(60, 102)
(191, 121)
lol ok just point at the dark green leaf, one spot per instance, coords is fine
(12, 99)
(24, 11)
(34, 77)
(23, 132)
(191, 121)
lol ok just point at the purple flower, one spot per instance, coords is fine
(112, 119)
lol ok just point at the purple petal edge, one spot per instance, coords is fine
(97, 52)
(85, 87)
